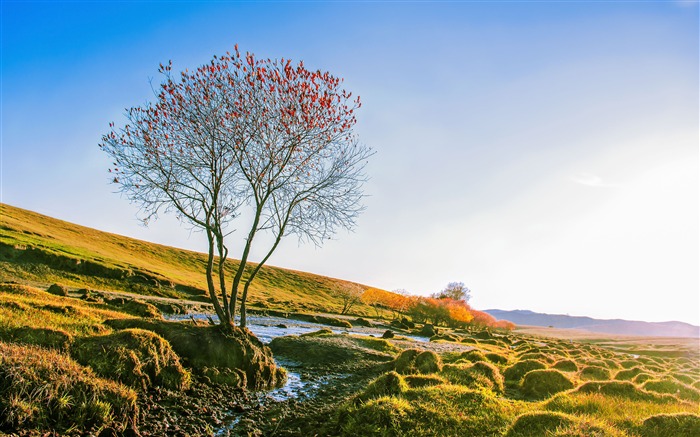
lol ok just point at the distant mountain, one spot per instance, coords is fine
(614, 326)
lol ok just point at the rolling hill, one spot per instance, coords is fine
(39, 250)
(614, 326)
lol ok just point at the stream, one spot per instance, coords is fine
(301, 385)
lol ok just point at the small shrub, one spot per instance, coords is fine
(539, 384)
(670, 425)
(388, 384)
(416, 381)
(565, 366)
(516, 372)
(595, 373)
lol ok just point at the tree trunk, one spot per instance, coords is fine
(210, 281)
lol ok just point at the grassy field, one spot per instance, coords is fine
(40, 250)
(78, 358)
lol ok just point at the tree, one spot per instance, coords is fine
(454, 290)
(349, 294)
(239, 136)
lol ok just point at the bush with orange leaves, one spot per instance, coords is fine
(398, 303)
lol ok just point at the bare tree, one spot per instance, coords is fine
(456, 291)
(241, 134)
(349, 294)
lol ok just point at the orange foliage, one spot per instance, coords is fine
(386, 299)
(446, 311)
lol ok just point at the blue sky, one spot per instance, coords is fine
(544, 153)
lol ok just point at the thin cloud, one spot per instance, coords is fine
(591, 180)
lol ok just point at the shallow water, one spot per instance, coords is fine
(298, 386)
(267, 327)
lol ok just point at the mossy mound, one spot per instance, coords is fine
(628, 364)
(405, 362)
(58, 290)
(516, 372)
(669, 386)
(670, 425)
(136, 357)
(628, 374)
(477, 375)
(594, 373)
(446, 337)
(44, 390)
(207, 347)
(642, 378)
(428, 362)
(50, 338)
(325, 351)
(538, 356)
(436, 411)
(622, 389)
(414, 361)
(388, 384)
(377, 417)
(496, 358)
(553, 424)
(473, 356)
(539, 384)
(362, 322)
(417, 381)
(566, 366)
(323, 332)
(539, 423)
(140, 308)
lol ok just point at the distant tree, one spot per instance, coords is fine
(396, 301)
(456, 291)
(240, 136)
(349, 294)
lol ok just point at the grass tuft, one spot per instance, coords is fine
(539, 384)
(42, 389)
(136, 357)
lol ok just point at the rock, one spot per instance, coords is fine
(362, 322)
(58, 290)
(388, 334)
(281, 326)
(408, 323)
(428, 330)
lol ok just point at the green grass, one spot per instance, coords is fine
(36, 249)
(45, 390)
